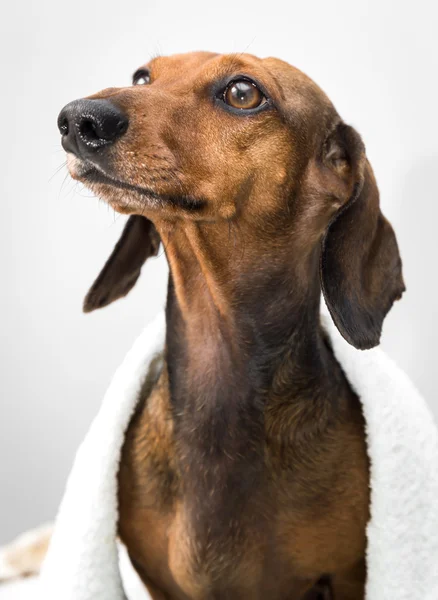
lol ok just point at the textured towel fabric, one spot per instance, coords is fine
(83, 562)
(23, 589)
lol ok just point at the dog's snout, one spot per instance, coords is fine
(87, 125)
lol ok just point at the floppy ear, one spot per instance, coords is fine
(361, 272)
(139, 241)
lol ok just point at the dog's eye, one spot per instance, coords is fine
(141, 77)
(243, 94)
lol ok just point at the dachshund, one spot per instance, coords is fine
(244, 473)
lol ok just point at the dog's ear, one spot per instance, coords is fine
(139, 241)
(361, 274)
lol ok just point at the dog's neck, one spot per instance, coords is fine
(242, 331)
(243, 338)
(238, 305)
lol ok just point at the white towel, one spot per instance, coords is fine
(402, 555)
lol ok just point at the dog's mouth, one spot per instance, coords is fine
(125, 195)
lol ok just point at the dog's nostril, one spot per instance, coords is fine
(121, 127)
(88, 131)
(63, 126)
(98, 132)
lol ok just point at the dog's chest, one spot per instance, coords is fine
(208, 541)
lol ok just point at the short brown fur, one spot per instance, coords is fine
(244, 473)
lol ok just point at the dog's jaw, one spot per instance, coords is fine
(126, 197)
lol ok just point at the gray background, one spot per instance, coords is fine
(378, 62)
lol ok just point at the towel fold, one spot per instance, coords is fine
(402, 554)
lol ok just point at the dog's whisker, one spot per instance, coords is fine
(66, 177)
(64, 164)
(80, 190)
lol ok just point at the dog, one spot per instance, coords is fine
(245, 473)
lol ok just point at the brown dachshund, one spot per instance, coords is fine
(244, 473)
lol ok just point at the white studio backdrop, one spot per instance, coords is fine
(377, 61)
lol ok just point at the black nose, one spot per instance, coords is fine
(87, 125)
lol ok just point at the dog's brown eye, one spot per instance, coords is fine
(141, 77)
(244, 94)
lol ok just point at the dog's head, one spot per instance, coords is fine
(212, 137)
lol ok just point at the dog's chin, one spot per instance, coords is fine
(124, 196)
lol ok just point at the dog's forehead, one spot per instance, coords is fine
(210, 66)
(180, 63)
